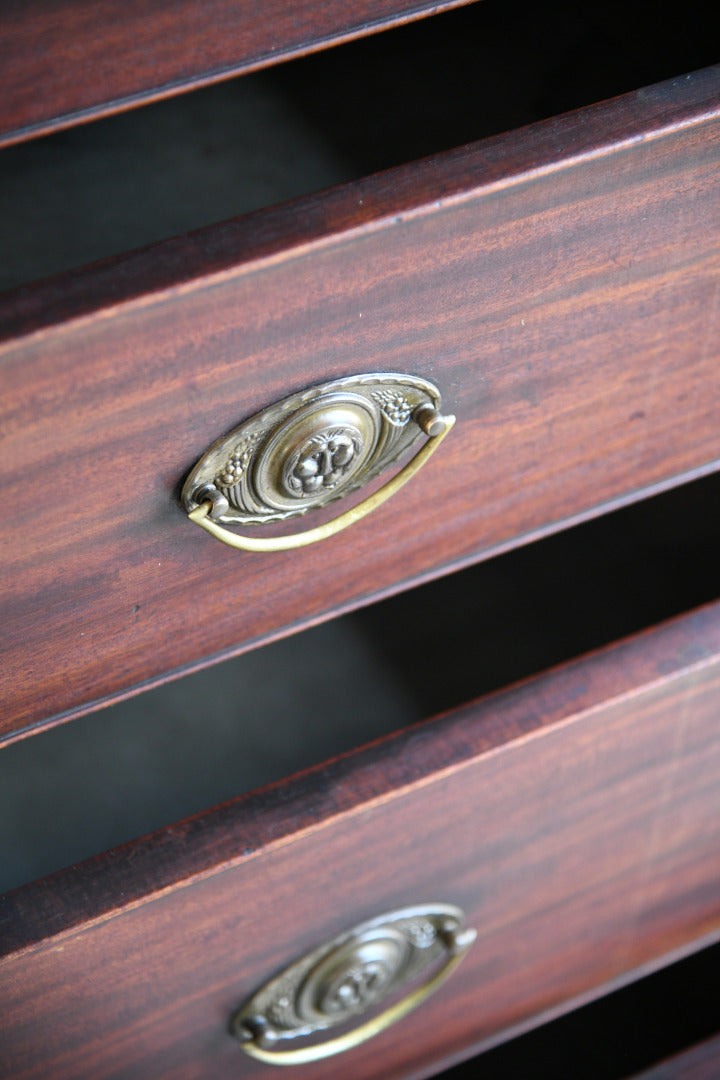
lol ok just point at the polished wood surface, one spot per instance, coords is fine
(617, 1036)
(65, 61)
(574, 817)
(560, 284)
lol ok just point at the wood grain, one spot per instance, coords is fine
(574, 817)
(560, 284)
(66, 61)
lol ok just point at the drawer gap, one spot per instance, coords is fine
(133, 179)
(78, 789)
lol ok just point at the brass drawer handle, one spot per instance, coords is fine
(312, 448)
(348, 976)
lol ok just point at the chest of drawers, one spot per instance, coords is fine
(559, 283)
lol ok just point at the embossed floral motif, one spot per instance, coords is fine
(359, 986)
(324, 461)
(422, 933)
(236, 464)
(394, 404)
(282, 1011)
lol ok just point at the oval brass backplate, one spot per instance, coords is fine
(312, 447)
(347, 976)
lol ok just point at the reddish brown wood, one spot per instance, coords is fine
(574, 817)
(701, 1062)
(65, 61)
(484, 168)
(560, 285)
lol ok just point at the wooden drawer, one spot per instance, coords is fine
(573, 817)
(96, 58)
(664, 1025)
(557, 283)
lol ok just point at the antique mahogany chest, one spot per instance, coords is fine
(554, 270)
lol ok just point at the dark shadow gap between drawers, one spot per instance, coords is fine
(617, 1036)
(133, 179)
(121, 772)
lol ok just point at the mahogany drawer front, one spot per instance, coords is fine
(97, 57)
(574, 817)
(558, 284)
